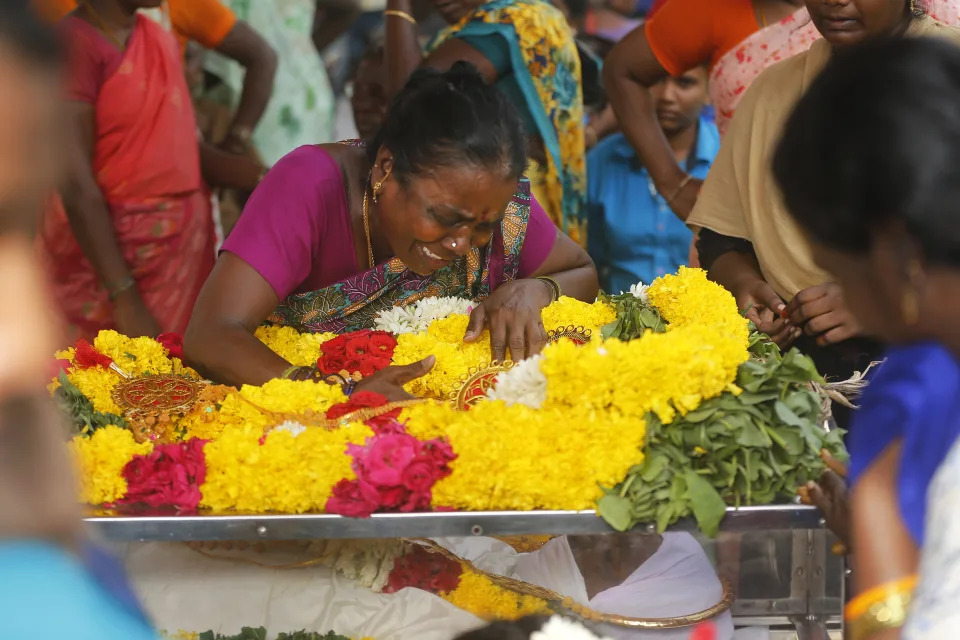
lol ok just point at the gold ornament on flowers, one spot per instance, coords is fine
(475, 384)
(579, 335)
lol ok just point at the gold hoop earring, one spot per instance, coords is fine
(916, 9)
(910, 298)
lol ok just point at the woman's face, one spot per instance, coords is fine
(847, 22)
(453, 11)
(439, 216)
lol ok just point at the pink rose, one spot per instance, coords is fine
(387, 456)
(418, 476)
(347, 500)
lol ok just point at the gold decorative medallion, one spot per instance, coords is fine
(580, 335)
(153, 394)
(474, 385)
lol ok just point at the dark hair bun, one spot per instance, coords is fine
(452, 118)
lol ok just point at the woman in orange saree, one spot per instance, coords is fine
(131, 240)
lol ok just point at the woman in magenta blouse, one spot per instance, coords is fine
(435, 206)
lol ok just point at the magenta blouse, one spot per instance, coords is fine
(295, 230)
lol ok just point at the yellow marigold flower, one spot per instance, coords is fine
(569, 311)
(517, 458)
(97, 383)
(290, 474)
(307, 398)
(100, 460)
(689, 297)
(443, 340)
(136, 356)
(478, 595)
(299, 349)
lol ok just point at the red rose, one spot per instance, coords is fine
(359, 400)
(334, 347)
(419, 476)
(173, 342)
(377, 363)
(383, 343)
(170, 476)
(353, 365)
(85, 356)
(348, 500)
(357, 347)
(392, 497)
(332, 363)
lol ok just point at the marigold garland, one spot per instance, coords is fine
(481, 597)
(558, 459)
(100, 460)
(286, 473)
(299, 349)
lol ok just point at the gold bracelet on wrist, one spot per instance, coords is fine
(882, 607)
(401, 14)
(683, 183)
(554, 286)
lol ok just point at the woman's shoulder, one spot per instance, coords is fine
(914, 377)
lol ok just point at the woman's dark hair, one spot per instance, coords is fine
(520, 629)
(27, 36)
(451, 119)
(876, 139)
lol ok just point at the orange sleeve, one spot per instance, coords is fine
(685, 34)
(53, 10)
(204, 21)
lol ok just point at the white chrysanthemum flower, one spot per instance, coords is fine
(293, 427)
(523, 384)
(558, 628)
(416, 317)
(639, 290)
(368, 562)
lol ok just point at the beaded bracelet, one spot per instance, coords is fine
(554, 285)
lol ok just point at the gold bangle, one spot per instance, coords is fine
(401, 14)
(683, 183)
(554, 285)
(882, 607)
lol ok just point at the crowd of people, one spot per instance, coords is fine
(804, 153)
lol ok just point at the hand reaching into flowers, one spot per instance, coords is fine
(389, 382)
(821, 311)
(830, 495)
(512, 313)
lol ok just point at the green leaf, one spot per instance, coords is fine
(750, 435)
(617, 511)
(786, 415)
(707, 505)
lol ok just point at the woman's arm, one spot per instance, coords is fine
(220, 341)
(883, 550)
(403, 53)
(229, 170)
(572, 268)
(331, 20)
(91, 223)
(248, 48)
(629, 72)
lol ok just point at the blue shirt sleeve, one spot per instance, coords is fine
(914, 397)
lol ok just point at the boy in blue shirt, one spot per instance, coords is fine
(634, 236)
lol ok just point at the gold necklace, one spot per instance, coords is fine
(102, 25)
(366, 223)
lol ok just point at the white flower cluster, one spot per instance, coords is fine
(368, 562)
(523, 384)
(293, 427)
(416, 317)
(558, 628)
(639, 290)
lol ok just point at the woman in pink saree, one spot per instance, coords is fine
(132, 242)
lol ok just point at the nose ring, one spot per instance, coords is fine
(454, 244)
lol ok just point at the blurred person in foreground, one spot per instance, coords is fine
(133, 241)
(53, 583)
(876, 189)
(369, 100)
(634, 235)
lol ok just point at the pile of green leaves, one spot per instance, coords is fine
(250, 633)
(634, 317)
(746, 449)
(79, 409)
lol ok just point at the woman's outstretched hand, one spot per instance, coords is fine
(512, 313)
(389, 381)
